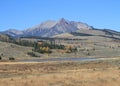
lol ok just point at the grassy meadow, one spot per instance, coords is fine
(83, 73)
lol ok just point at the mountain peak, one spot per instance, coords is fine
(13, 32)
(51, 28)
(63, 20)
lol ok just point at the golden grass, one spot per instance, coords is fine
(60, 74)
(83, 77)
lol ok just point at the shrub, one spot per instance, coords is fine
(88, 54)
(32, 54)
(11, 58)
(0, 58)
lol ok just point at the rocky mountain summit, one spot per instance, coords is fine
(50, 28)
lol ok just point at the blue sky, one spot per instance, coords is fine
(22, 14)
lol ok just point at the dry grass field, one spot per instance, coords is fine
(83, 73)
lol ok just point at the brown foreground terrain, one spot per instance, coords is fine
(83, 73)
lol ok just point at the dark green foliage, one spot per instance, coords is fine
(93, 49)
(45, 47)
(11, 58)
(44, 51)
(24, 43)
(74, 50)
(88, 54)
(80, 34)
(0, 58)
(36, 47)
(32, 54)
(6, 38)
(53, 46)
(1, 54)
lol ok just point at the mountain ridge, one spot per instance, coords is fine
(51, 28)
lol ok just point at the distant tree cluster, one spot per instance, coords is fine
(24, 43)
(5, 38)
(41, 48)
(46, 47)
(53, 46)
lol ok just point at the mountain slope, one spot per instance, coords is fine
(63, 35)
(13, 32)
(51, 28)
(12, 50)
